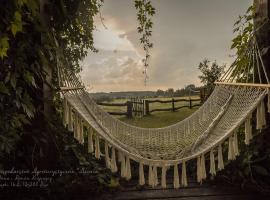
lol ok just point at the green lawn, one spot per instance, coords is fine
(160, 119)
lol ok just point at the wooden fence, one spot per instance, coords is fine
(127, 104)
(138, 107)
(173, 107)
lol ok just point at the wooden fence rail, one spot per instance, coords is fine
(173, 108)
(127, 104)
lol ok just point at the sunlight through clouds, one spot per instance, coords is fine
(184, 33)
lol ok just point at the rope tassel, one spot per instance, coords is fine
(107, 159)
(113, 164)
(212, 163)
(260, 115)
(231, 153)
(203, 167)
(81, 138)
(90, 140)
(248, 130)
(155, 176)
(128, 170)
(176, 184)
(184, 174)
(120, 156)
(220, 158)
(163, 177)
(150, 176)
(123, 166)
(199, 170)
(235, 144)
(141, 174)
(97, 148)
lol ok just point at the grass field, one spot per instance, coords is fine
(156, 119)
(160, 119)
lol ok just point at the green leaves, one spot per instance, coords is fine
(243, 28)
(4, 46)
(211, 72)
(145, 11)
(3, 88)
(16, 25)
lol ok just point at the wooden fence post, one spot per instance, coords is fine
(190, 103)
(147, 111)
(129, 109)
(173, 108)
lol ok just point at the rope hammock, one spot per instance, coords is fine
(230, 107)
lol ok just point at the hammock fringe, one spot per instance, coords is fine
(113, 161)
(212, 163)
(123, 166)
(231, 153)
(184, 175)
(90, 140)
(97, 147)
(155, 176)
(235, 144)
(141, 175)
(176, 183)
(220, 158)
(107, 159)
(199, 170)
(128, 170)
(163, 177)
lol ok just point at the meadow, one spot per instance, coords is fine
(155, 119)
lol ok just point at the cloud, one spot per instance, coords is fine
(123, 69)
(184, 33)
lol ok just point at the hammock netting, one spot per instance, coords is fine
(218, 120)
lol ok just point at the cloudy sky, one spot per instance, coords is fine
(184, 33)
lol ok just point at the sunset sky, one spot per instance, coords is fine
(184, 33)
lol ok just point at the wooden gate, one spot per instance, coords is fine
(137, 107)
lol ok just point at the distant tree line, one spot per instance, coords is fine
(189, 90)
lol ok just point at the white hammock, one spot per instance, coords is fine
(225, 111)
(229, 107)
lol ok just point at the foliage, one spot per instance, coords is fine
(170, 92)
(189, 90)
(251, 168)
(72, 23)
(69, 155)
(210, 72)
(145, 12)
(243, 43)
(20, 71)
(27, 43)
